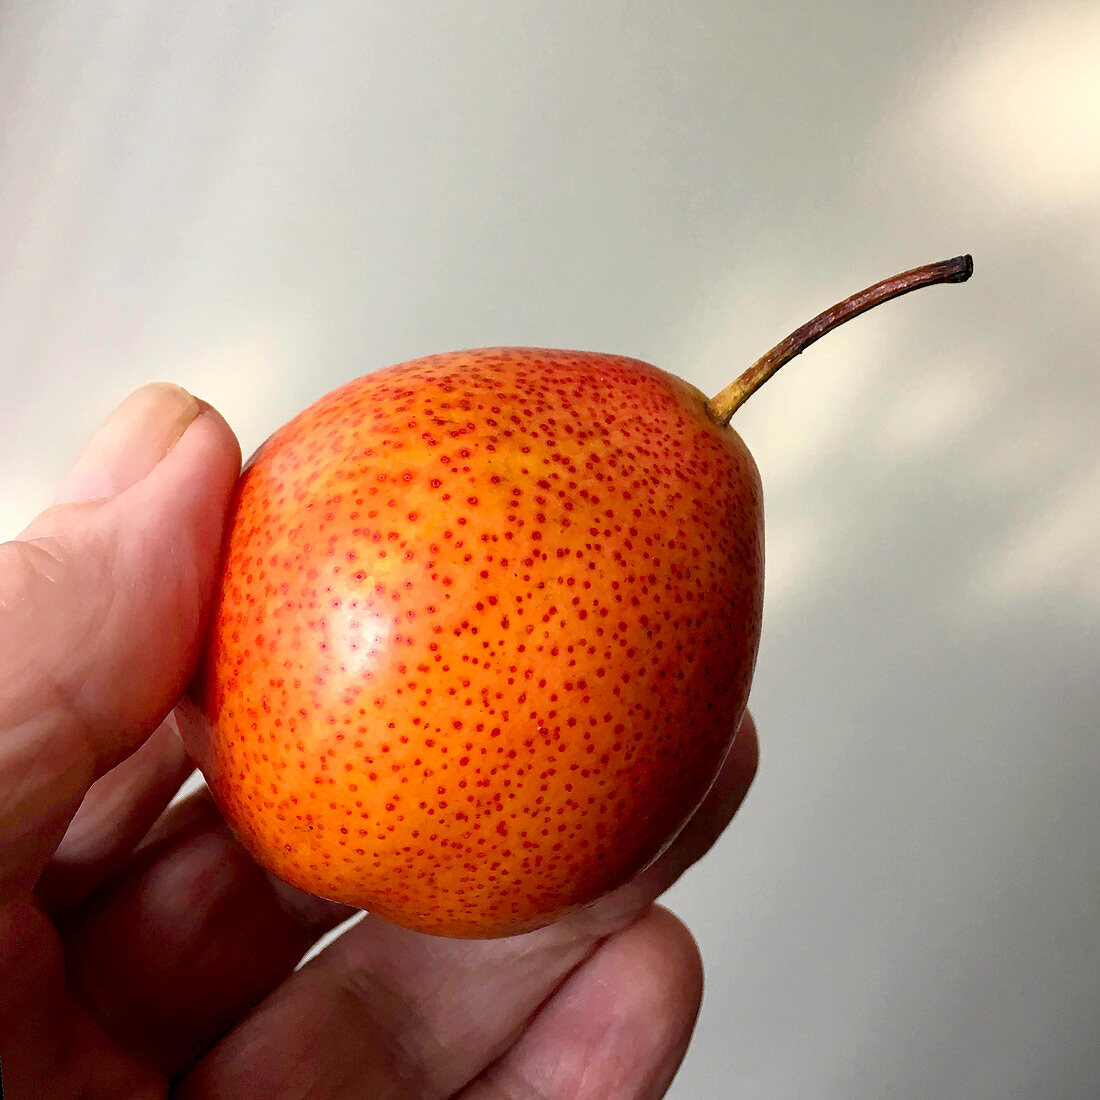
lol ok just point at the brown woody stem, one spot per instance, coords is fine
(722, 407)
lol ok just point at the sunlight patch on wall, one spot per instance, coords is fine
(1022, 103)
(24, 496)
(799, 549)
(1058, 550)
(934, 408)
(243, 378)
(812, 409)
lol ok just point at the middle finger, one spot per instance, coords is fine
(172, 950)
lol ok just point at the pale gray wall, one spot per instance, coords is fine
(261, 200)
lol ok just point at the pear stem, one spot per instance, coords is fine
(722, 406)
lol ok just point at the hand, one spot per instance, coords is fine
(142, 949)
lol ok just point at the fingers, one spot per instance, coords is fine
(102, 604)
(619, 1026)
(405, 1014)
(52, 1046)
(184, 941)
(116, 813)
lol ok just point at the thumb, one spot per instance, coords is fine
(102, 606)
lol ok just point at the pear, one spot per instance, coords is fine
(486, 626)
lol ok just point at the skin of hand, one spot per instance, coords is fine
(142, 952)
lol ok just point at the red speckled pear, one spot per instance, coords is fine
(486, 627)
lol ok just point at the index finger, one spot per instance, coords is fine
(101, 610)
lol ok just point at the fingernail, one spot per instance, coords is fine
(130, 442)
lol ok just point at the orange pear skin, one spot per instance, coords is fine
(486, 626)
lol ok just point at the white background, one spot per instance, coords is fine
(262, 200)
